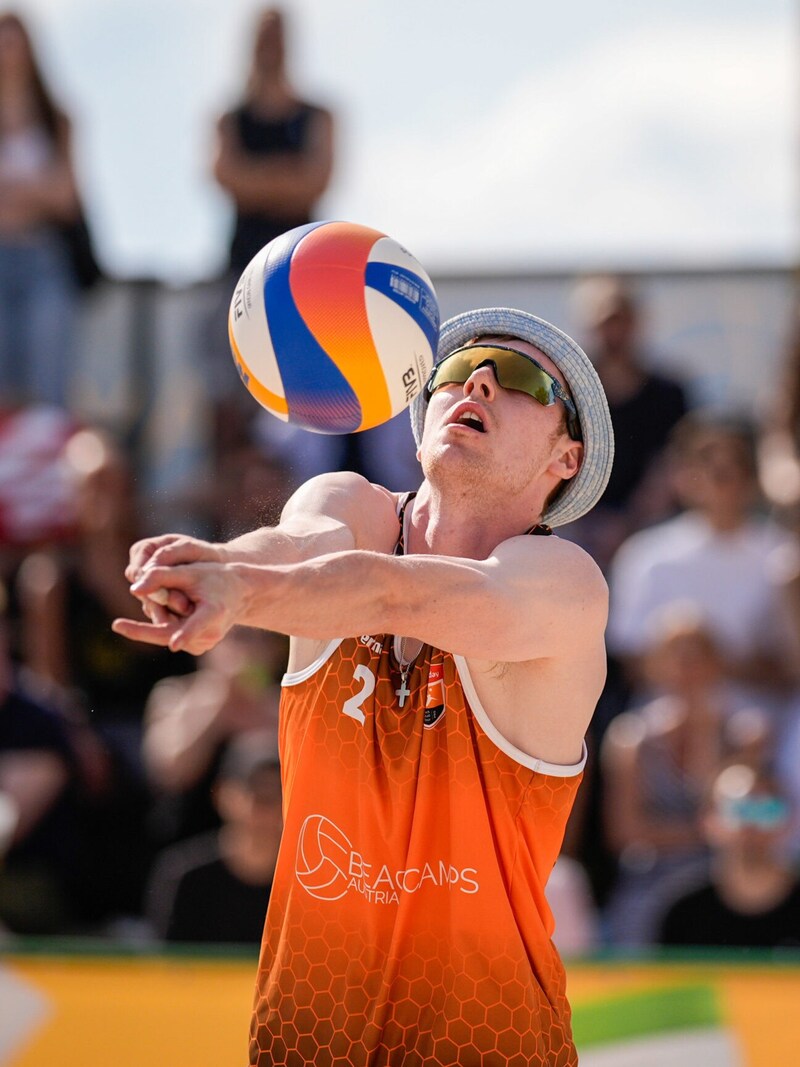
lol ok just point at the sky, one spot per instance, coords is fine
(513, 135)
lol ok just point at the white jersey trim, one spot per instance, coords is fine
(556, 770)
(296, 677)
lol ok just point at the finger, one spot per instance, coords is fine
(199, 632)
(149, 633)
(142, 551)
(156, 579)
(183, 550)
(158, 615)
(173, 600)
(179, 603)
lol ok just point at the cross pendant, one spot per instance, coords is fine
(403, 691)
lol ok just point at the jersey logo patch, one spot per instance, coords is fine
(434, 699)
(432, 716)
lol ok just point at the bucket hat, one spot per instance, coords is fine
(582, 491)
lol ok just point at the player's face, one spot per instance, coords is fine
(499, 433)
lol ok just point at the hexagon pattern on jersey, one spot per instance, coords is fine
(408, 922)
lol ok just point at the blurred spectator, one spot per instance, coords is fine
(719, 554)
(274, 151)
(68, 595)
(38, 199)
(570, 898)
(69, 599)
(192, 720)
(36, 499)
(274, 157)
(644, 407)
(38, 777)
(779, 443)
(216, 887)
(752, 898)
(659, 763)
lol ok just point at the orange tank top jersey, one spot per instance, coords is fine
(407, 922)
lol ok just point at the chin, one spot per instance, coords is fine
(446, 466)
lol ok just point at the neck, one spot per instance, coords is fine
(271, 92)
(468, 523)
(725, 520)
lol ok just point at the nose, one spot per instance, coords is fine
(482, 381)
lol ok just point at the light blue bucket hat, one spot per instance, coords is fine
(584, 490)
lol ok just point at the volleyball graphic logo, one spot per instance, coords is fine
(323, 858)
(333, 327)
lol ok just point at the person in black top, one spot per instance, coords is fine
(753, 897)
(274, 151)
(644, 408)
(215, 887)
(273, 157)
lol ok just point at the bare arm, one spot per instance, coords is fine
(33, 780)
(284, 184)
(330, 513)
(49, 197)
(182, 731)
(42, 598)
(533, 598)
(628, 821)
(187, 719)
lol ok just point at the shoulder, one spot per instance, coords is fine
(563, 563)
(556, 593)
(230, 121)
(367, 510)
(313, 111)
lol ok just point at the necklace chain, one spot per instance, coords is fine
(405, 669)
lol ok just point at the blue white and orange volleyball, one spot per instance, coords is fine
(333, 327)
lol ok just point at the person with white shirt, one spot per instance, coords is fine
(719, 554)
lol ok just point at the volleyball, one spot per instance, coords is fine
(333, 327)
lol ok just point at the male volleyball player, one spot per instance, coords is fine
(427, 777)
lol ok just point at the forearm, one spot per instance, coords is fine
(52, 196)
(350, 593)
(180, 744)
(283, 545)
(282, 184)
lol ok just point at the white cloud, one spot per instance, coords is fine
(674, 142)
(574, 134)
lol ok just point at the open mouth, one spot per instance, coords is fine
(472, 420)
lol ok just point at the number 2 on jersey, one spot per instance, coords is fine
(352, 706)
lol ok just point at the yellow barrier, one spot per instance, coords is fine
(95, 1011)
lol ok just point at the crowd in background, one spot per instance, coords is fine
(140, 790)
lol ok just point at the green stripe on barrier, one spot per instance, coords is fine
(657, 1011)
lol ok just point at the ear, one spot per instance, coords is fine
(566, 461)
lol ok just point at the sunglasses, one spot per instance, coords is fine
(512, 369)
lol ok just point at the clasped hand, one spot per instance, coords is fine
(186, 593)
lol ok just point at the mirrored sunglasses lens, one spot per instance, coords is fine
(454, 370)
(516, 372)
